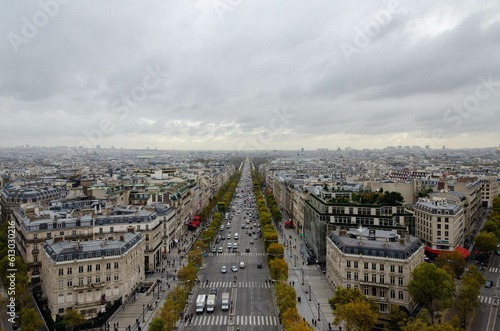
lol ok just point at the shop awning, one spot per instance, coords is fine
(433, 251)
(462, 251)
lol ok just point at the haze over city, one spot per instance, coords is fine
(250, 75)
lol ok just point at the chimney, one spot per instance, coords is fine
(408, 237)
(342, 232)
(77, 245)
(58, 239)
(402, 242)
(103, 242)
(122, 238)
(131, 230)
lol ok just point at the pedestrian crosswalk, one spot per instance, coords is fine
(493, 269)
(238, 320)
(240, 254)
(230, 284)
(486, 299)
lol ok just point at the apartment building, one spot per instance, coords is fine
(13, 197)
(34, 228)
(491, 189)
(439, 223)
(86, 275)
(377, 262)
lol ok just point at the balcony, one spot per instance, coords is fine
(35, 251)
(91, 286)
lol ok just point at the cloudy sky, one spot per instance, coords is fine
(250, 74)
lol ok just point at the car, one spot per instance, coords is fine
(224, 269)
(251, 241)
(259, 265)
(213, 290)
(217, 240)
(247, 249)
(234, 269)
(488, 284)
(229, 245)
(498, 252)
(235, 245)
(223, 237)
(426, 258)
(242, 226)
(228, 236)
(220, 249)
(242, 265)
(214, 249)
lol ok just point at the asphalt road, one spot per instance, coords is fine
(487, 314)
(251, 295)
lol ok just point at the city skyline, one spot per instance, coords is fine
(240, 75)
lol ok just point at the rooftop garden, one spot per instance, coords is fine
(369, 197)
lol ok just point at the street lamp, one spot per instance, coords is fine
(319, 319)
(143, 313)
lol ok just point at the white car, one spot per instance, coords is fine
(234, 269)
(229, 245)
(224, 269)
(242, 265)
(228, 236)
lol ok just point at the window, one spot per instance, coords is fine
(108, 266)
(374, 291)
(400, 281)
(74, 233)
(393, 294)
(35, 258)
(108, 278)
(382, 293)
(80, 281)
(381, 267)
(374, 278)
(400, 295)
(61, 233)
(61, 284)
(35, 236)
(97, 267)
(70, 271)
(348, 275)
(89, 268)
(61, 310)
(89, 280)
(348, 264)
(383, 306)
(116, 277)
(348, 286)
(439, 233)
(356, 276)
(98, 279)
(393, 280)
(366, 265)
(70, 282)
(355, 264)
(116, 265)
(374, 266)
(367, 292)
(393, 268)
(382, 279)
(61, 272)
(80, 269)
(366, 277)
(49, 235)
(400, 269)
(446, 234)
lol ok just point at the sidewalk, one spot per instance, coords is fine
(133, 310)
(320, 291)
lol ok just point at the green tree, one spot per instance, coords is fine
(285, 297)
(454, 260)
(275, 251)
(431, 287)
(278, 269)
(486, 241)
(357, 315)
(491, 225)
(398, 317)
(187, 273)
(73, 318)
(157, 324)
(343, 296)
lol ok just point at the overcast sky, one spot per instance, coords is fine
(250, 74)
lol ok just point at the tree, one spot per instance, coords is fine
(285, 297)
(275, 251)
(344, 296)
(486, 241)
(73, 318)
(398, 317)
(454, 260)
(187, 273)
(467, 299)
(431, 287)
(278, 269)
(157, 324)
(357, 315)
(293, 322)
(491, 225)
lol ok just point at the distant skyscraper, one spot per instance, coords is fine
(444, 147)
(302, 149)
(498, 150)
